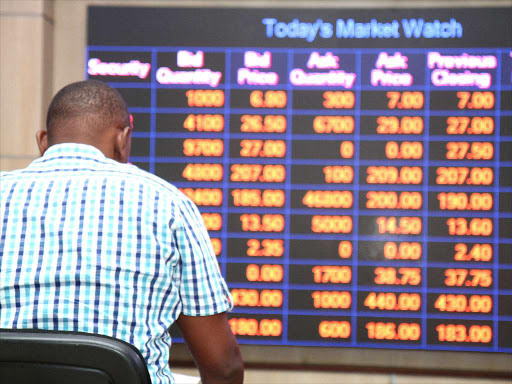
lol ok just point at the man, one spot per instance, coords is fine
(89, 243)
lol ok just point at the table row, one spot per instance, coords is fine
(324, 125)
(473, 68)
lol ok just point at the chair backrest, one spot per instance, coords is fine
(55, 357)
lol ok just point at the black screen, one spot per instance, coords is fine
(353, 167)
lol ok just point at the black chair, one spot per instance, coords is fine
(52, 357)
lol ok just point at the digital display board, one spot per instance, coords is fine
(353, 167)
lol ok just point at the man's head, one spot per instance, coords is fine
(88, 112)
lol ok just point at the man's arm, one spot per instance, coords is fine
(214, 348)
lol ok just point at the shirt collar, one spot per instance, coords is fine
(73, 150)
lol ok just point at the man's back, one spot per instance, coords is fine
(89, 244)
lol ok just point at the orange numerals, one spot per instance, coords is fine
(262, 148)
(393, 200)
(253, 327)
(404, 251)
(256, 123)
(404, 150)
(217, 246)
(345, 249)
(401, 226)
(328, 199)
(338, 174)
(258, 197)
(268, 99)
(339, 99)
(266, 273)
(460, 277)
(459, 226)
(205, 98)
(394, 175)
(265, 247)
(258, 173)
(478, 252)
(347, 149)
(461, 334)
(204, 123)
(388, 301)
(333, 124)
(334, 329)
(405, 100)
(477, 125)
(262, 223)
(203, 147)
(332, 299)
(204, 196)
(458, 150)
(404, 276)
(462, 201)
(461, 303)
(334, 274)
(475, 100)
(390, 331)
(212, 221)
(203, 172)
(464, 175)
(271, 298)
(331, 224)
(407, 125)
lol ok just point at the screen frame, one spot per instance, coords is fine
(446, 363)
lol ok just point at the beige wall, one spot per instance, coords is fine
(42, 48)
(26, 56)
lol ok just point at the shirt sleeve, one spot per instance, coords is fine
(203, 290)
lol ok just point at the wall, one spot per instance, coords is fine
(26, 57)
(42, 48)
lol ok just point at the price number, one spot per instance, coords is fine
(265, 247)
(392, 125)
(252, 222)
(260, 124)
(459, 226)
(460, 333)
(461, 277)
(405, 100)
(258, 173)
(253, 327)
(463, 125)
(400, 276)
(334, 329)
(339, 99)
(391, 331)
(464, 175)
(268, 99)
(268, 273)
(401, 226)
(478, 252)
(262, 148)
(475, 100)
(388, 301)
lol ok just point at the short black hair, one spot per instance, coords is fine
(90, 106)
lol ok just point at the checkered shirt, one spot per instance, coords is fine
(92, 245)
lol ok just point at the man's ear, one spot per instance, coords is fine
(42, 141)
(123, 144)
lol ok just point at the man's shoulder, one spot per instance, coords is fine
(134, 175)
(115, 172)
